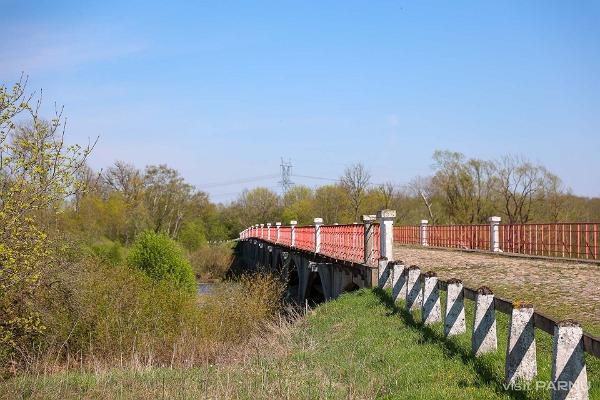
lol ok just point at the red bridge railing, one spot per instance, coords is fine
(407, 234)
(305, 238)
(564, 240)
(475, 237)
(343, 242)
(571, 240)
(285, 235)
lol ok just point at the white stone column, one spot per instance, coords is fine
(569, 375)
(318, 222)
(386, 230)
(494, 234)
(424, 232)
(413, 289)
(431, 309)
(521, 361)
(484, 339)
(454, 323)
(277, 226)
(293, 234)
(368, 238)
(262, 231)
(399, 274)
(268, 231)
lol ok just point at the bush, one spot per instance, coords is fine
(108, 252)
(212, 261)
(162, 259)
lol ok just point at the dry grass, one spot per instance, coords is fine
(561, 289)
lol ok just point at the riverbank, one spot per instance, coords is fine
(357, 346)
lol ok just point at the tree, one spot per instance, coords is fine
(422, 187)
(38, 172)
(332, 204)
(299, 205)
(355, 181)
(167, 196)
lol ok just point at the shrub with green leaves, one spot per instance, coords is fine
(162, 259)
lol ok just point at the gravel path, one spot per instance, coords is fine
(560, 289)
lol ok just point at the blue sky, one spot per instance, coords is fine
(222, 90)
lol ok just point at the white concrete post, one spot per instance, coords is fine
(384, 273)
(520, 353)
(569, 375)
(399, 281)
(368, 238)
(318, 222)
(424, 232)
(256, 231)
(386, 231)
(277, 226)
(262, 231)
(293, 235)
(454, 323)
(431, 309)
(494, 234)
(269, 231)
(484, 338)
(413, 288)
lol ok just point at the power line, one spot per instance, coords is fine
(237, 181)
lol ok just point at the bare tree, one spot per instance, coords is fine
(520, 183)
(355, 181)
(387, 191)
(423, 188)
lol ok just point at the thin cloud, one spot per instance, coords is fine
(35, 49)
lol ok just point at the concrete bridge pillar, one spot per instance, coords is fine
(293, 226)
(386, 230)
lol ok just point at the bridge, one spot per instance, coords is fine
(319, 262)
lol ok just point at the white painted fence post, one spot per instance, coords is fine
(454, 323)
(431, 309)
(293, 234)
(268, 231)
(262, 231)
(413, 288)
(569, 375)
(424, 232)
(318, 222)
(386, 231)
(494, 234)
(277, 226)
(484, 339)
(521, 361)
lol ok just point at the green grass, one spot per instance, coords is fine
(358, 346)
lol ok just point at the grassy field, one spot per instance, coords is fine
(358, 346)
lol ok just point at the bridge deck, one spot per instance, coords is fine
(559, 289)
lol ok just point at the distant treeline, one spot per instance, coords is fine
(122, 201)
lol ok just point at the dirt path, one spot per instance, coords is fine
(558, 289)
